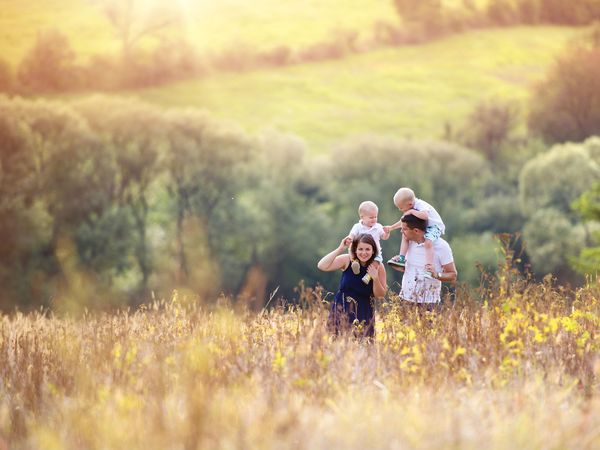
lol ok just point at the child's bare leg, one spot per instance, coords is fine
(429, 255)
(400, 260)
(403, 246)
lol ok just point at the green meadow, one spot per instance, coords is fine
(409, 91)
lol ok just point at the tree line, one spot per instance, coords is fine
(112, 201)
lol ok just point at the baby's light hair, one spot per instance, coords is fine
(404, 194)
(367, 206)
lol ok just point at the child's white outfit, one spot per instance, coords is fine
(376, 231)
(435, 224)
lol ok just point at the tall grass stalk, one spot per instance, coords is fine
(517, 368)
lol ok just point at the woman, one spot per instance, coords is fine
(354, 296)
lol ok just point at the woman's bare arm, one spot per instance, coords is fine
(336, 259)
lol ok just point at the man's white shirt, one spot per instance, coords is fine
(415, 287)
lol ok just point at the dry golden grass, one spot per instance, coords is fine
(517, 367)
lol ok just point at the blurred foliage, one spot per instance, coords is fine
(575, 12)
(556, 178)
(489, 127)
(549, 184)
(475, 254)
(6, 77)
(115, 200)
(49, 66)
(552, 239)
(588, 206)
(566, 105)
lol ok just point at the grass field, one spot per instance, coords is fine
(408, 91)
(210, 25)
(518, 371)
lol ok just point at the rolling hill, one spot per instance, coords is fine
(411, 91)
(406, 91)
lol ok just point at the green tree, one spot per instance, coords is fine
(549, 183)
(207, 166)
(285, 224)
(489, 128)
(66, 182)
(23, 224)
(588, 206)
(566, 105)
(551, 240)
(556, 178)
(133, 135)
(474, 253)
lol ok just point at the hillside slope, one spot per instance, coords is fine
(407, 91)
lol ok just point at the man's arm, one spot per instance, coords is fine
(448, 274)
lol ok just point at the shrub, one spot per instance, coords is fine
(556, 178)
(473, 253)
(277, 56)
(566, 105)
(174, 60)
(575, 12)
(551, 240)
(50, 64)
(237, 57)
(489, 127)
(387, 33)
(6, 81)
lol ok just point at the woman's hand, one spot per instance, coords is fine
(377, 272)
(373, 270)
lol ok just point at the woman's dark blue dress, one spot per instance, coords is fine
(353, 301)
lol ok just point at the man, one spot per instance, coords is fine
(416, 287)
